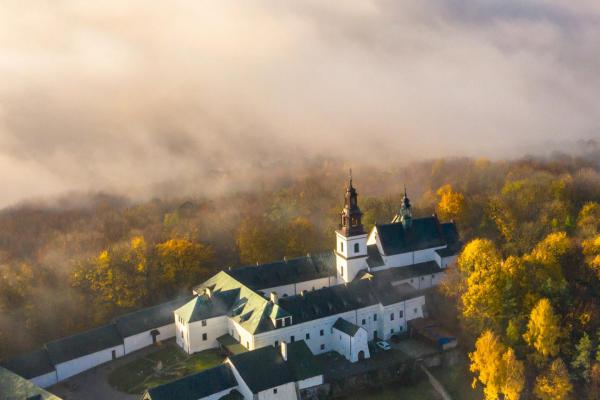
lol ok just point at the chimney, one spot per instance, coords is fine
(274, 297)
(283, 349)
(208, 292)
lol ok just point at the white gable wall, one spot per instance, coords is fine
(310, 382)
(214, 328)
(284, 392)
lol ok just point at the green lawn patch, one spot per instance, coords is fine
(142, 373)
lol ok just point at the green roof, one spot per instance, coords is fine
(148, 318)
(288, 271)
(15, 387)
(195, 386)
(205, 307)
(30, 365)
(84, 343)
(262, 368)
(301, 361)
(230, 344)
(347, 327)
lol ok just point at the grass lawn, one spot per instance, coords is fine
(140, 374)
(457, 381)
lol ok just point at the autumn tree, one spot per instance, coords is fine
(182, 262)
(554, 382)
(117, 276)
(451, 204)
(259, 240)
(591, 251)
(497, 368)
(583, 354)
(301, 237)
(543, 329)
(588, 220)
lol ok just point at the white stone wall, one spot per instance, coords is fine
(214, 328)
(45, 380)
(73, 367)
(349, 346)
(372, 323)
(284, 392)
(297, 288)
(144, 339)
(310, 382)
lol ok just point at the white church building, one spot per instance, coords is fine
(368, 288)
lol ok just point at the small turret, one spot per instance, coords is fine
(406, 211)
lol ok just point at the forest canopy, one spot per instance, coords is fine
(525, 292)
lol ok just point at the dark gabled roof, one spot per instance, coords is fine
(342, 298)
(374, 258)
(195, 386)
(262, 369)
(407, 272)
(301, 361)
(233, 395)
(285, 272)
(347, 327)
(15, 387)
(424, 233)
(446, 252)
(84, 343)
(205, 306)
(30, 365)
(148, 318)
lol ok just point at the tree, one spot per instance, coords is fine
(259, 240)
(554, 383)
(478, 254)
(451, 204)
(301, 237)
(591, 251)
(497, 368)
(588, 220)
(583, 355)
(593, 387)
(182, 262)
(543, 329)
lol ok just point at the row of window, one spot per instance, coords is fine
(182, 322)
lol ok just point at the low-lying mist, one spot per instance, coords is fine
(196, 97)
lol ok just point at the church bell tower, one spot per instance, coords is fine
(351, 239)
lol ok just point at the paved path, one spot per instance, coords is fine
(439, 388)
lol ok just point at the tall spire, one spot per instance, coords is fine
(406, 211)
(350, 218)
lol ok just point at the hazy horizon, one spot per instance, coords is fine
(129, 97)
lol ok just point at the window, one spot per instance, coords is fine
(401, 328)
(275, 391)
(415, 311)
(182, 334)
(277, 344)
(292, 339)
(341, 271)
(278, 323)
(412, 280)
(322, 347)
(432, 276)
(401, 314)
(391, 317)
(321, 332)
(204, 336)
(203, 322)
(374, 317)
(422, 278)
(307, 336)
(364, 321)
(248, 345)
(392, 330)
(341, 247)
(356, 247)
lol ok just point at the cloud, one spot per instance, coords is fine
(126, 96)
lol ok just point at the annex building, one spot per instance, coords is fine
(368, 288)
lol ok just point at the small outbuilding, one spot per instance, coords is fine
(350, 340)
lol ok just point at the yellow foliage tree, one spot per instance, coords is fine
(182, 262)
(543, 329)
(479, 255)
(497, 368)
(554, 383)
(588, 220)
(451, 204)
(301, 237)
(591, 251)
